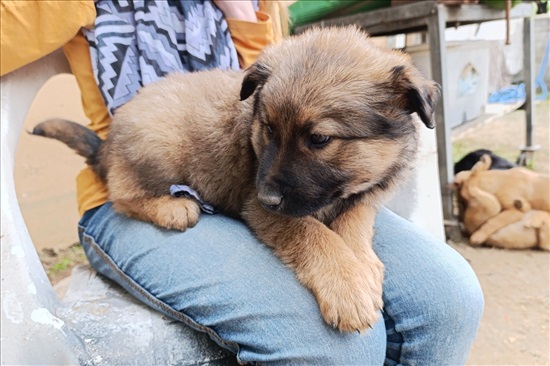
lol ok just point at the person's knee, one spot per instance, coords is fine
(318, 344)
(472, 301)
(458, 301)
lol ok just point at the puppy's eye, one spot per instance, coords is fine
(319, 140)
(269, 129)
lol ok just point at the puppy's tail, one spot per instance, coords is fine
(82, 140)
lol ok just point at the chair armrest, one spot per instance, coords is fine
(28, 300)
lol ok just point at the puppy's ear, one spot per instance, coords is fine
(255, 76)
(417, 93)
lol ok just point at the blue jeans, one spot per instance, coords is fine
(217, 278)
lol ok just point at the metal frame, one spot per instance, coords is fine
(434, 18)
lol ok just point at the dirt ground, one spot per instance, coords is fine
(515, 325)
(514, 328)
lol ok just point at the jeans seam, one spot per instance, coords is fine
(400, 344)
(232, 346)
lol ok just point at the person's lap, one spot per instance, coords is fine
(217, 278)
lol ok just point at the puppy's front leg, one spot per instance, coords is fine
(323, 262)
(494, 224)
(165, 211)
(356, 227)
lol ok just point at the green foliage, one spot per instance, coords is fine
(60, 265)
(498, 4)
(72, 256)
(460, 149)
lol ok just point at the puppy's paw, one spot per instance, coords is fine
(477, 238)
(352, 301)
(485, 159)
(483, 164)
(178, 214)
(535, 220)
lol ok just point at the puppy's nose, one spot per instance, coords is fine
(270, 199)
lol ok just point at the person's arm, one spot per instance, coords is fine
(237, 10)
(251, 31)
(33, 29)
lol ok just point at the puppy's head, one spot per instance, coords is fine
(333, 118)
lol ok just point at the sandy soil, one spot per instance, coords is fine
(515, 326)
(45, 170)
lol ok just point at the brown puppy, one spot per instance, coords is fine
(304, 146)
(518, 188)
(513, 229)
(489, 221)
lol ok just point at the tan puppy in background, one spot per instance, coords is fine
(490, 221)
(518, 188)
(305, 146)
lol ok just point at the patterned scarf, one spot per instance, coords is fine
(134, 43)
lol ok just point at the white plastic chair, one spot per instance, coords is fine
(96, 323)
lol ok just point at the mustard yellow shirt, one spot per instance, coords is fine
(32, 29)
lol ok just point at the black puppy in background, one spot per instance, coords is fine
(468, 161)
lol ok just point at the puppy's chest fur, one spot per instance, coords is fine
(223, 171)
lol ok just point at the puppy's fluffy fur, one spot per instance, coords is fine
(304, 146)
